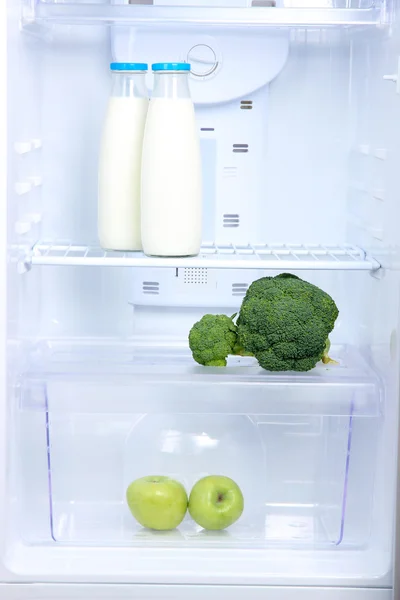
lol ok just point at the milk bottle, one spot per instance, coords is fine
(171, 211)
(120, 159)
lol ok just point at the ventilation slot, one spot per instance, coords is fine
(231, 220)
(195, 276)
(151, 288)
(207, 129)
(240, 147)
(146, 2)
(230, 171)
(246, 104)
(239, 289)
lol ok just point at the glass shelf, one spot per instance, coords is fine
(89, 14)
(212, 256)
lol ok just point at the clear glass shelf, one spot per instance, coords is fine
(226, 256)
(88, 14)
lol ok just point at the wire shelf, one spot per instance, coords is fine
(212, 256)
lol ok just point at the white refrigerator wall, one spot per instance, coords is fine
(303, 175)
(329, 174)
(328, 157)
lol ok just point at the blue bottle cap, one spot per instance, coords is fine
(128, 66)
(171, 66)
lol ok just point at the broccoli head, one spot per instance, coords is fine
(285, 322)
(211, 340)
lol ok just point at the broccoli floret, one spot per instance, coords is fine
(285, 322)
(211, 340)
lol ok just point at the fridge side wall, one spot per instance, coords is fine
(3, 278)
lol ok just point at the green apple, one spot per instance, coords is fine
(215, 502)
(157, 502)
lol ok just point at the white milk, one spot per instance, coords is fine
(119, 173)
(171, 180)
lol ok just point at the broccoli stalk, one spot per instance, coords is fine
(326, 359)
(238, 349)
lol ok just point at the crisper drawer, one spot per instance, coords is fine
(300, 446)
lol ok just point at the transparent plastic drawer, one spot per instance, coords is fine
(300, 446)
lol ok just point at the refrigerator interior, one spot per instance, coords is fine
(299, 131)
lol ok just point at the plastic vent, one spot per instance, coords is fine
(151, 287)
(195, 276)
(246, 105)
(231, 220)
(230, 171)
(239, 289)
(240, 147)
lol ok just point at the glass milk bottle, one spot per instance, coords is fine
(171, 167)
(121, 157)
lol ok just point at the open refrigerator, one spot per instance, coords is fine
(298, 108)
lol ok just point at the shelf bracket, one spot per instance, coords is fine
(395, 78)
